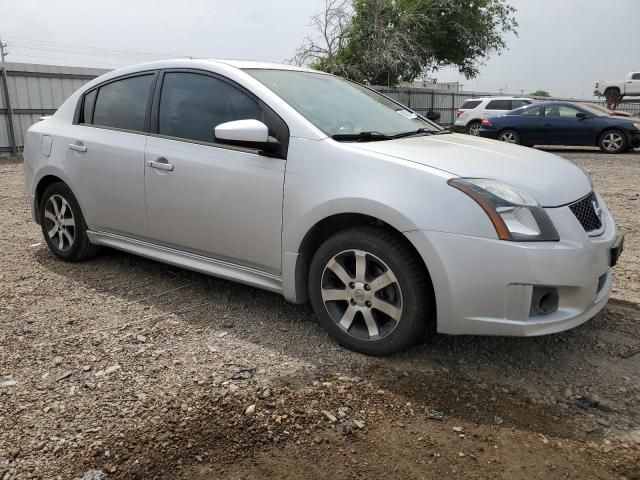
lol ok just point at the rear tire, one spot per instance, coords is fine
(63, 225)
(370, 292)
(509, 136)
(473, 128)
(613, 141)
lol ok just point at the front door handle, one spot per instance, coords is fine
(77, 147)
(160, 164)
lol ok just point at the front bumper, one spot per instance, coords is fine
(484, 286)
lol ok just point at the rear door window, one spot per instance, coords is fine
(499, 105)
(470, 104)
(123, 104)
(531, 112)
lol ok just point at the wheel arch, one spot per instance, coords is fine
(42, 183)
(611, 128)
(329, 226)
(41, 186)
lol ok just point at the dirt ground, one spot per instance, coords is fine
(121, 367)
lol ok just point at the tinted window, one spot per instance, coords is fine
(635, 76)
(499, 105)
(87, 107)
(560, 111)
(520, 103)
(530, 112)
(469, 104)
(123, 103)
(192, 105)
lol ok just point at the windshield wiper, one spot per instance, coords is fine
(419, 131)
(369, 136)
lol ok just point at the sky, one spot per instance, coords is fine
(563, 46)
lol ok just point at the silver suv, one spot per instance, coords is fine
(320, 189)
(472, 112)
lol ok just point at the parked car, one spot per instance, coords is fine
(470, 114)
(613, 113)
(563, 123)
(314, 187)
(613, 90)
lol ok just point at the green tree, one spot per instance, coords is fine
(540, 93)
(388, 41)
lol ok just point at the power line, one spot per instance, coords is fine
(48, 44)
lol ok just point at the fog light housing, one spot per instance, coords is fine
(544, 301)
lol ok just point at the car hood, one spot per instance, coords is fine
(552, 180)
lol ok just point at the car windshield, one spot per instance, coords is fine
(339, 107)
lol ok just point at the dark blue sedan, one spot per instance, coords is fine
(562, 123)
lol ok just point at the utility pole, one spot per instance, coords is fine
(7, 99)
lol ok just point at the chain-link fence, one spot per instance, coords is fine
(447, 104)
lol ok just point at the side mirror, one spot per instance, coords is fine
(242, 131)
(581, 116)
(247, 133)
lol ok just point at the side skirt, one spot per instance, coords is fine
(190, 261)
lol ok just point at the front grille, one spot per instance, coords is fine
(585, 212)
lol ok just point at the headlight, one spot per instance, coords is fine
(515, 214)
(637, 125)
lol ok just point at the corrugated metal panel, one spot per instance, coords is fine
(22, 123)
(4, 132)
(38, 87)
(2, 104)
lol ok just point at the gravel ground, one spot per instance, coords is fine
(121, 367)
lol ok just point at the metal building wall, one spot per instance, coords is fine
(37, 90)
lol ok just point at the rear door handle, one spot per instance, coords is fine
(77, 147)
(160, 164)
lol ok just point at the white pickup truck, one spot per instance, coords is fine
(615, 90)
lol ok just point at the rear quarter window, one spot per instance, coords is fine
(499, 105)
(470, 104)
(86, 115)
(520, 103)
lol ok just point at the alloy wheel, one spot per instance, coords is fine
(60, 223)
(362, 295)
(474, 129)
(612, 142)
(508, 137)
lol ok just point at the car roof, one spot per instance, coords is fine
(204, 62)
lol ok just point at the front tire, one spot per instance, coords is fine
(509, 136)
(63, 225)
(613, 141)
(370, 292)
